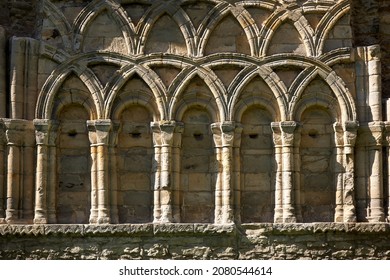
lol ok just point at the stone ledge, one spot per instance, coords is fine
(190, 229)
(304, 228)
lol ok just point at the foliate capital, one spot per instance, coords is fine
(99, 131)
(350, 134)
(18, 131)
(164, 132)
(43, 130)
(288, 129)
(223, 134)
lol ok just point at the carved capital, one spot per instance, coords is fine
(350, 133)
(2, 132)
(276, 133)
(376, 129)
(223, 134)
(338, 134)
(216, 131)
(99, 131)
(19, 132)
(164, 132)
(288, 128)
(42, 131)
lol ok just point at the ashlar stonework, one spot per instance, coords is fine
(200, 129)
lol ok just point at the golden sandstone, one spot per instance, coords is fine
(211, 116)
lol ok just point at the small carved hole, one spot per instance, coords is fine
(135, 134)
(55, 33)
(253, 136)
(72, 133)
(313, 133)
(198, 136)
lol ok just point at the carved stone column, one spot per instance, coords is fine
(376, 211)
(237, 172)
(52, 173)
(14, 135)
(287, 129)
(387, 143)
(3, 70)
(277, 139)
(163, 138)
(216, 131)
(297, 173)
(2, 178)
(113, 178)
(339, 171)
(42, 131)
(223, 134)
(176, 152)
(349, 208)
(99, 131)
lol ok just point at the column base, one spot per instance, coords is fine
(93, 218)
(377, 215)
(289, 216)
(349, 214)
(103, 216)
(278, 216)
(11, 216)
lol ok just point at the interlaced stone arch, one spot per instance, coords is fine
(53, 83)
(92, 10)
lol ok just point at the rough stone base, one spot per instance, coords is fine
(196, 241)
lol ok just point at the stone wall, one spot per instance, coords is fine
(255, 120)
(196, 241)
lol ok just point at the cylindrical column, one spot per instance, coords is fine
(42, 128)
(52, 174)
(297, 174)
(176, 191)
(3, 69)
(228, 132)
(277, 139)
(223, 134)
(93, 218)
(339, 171)
(374, 82)
(237, 173)
(13, 182)
(287, 128)
(163, 137)
(156, 185)
(28, 182)
(103, 192)
(99, 136)
(349, 195)
(376, 211)
(14, 134)
(113, 178)
(215, 129)
(2, 178)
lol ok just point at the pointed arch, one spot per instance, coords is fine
(175, 12)
(273, 82)
(213, 83)
(154, 83)
(328, 22)
(92, 10)
(339, 89)
(60, 22)
(300, 23)
(44, 109)
(220, 13)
